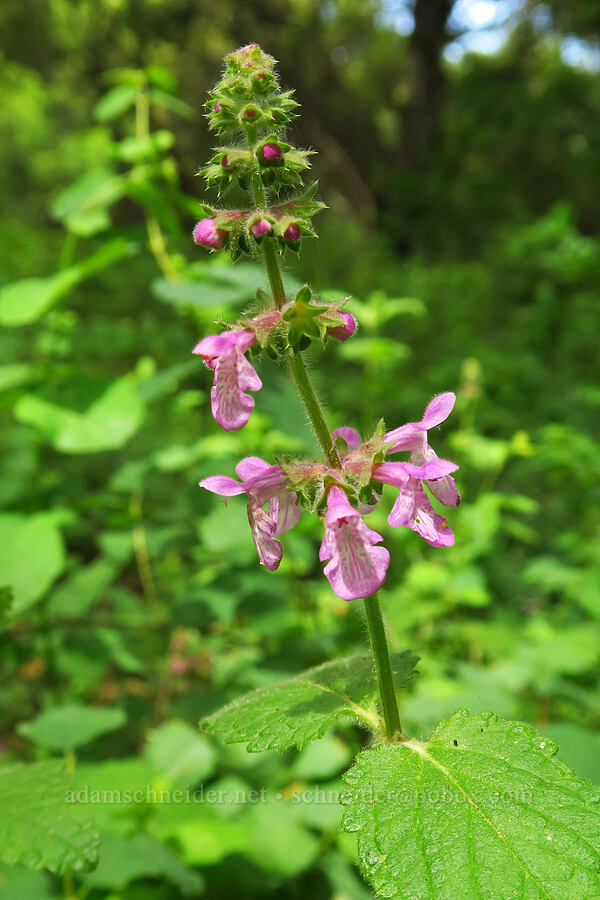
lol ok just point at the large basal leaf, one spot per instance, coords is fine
(301, 710)
(64, 728)
(32, 556)
(39, 827)
(484, 809)
(106, 425)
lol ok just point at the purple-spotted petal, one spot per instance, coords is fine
(286, 512)
(445, 490)
(262, 524)
(357, 567)
(350, 435)
(413, 508)
(396, 473)
(231, 405)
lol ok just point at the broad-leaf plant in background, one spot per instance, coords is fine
(483, 808)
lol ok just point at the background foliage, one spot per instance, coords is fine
(463, 219)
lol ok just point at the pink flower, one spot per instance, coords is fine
(260, 228)
(264, 484)
(413, 437)
(292, 233)
(424, 467)
(343, 332)
(234, 375)
(270, 153)
(225, 162)
(207, 234)
(357, 567)
(217, 107)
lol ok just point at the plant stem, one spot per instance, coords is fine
(383, 666)
(313, 407)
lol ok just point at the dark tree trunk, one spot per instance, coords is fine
(426, 82)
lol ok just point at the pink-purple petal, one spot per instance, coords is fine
(213, 346)
(357, 567)
(413, 508)
(438, 410)
(223, 485)
(349, 435)
(445, 490)
(234, 375)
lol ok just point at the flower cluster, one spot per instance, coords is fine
(356, 565)
(250, 112)
(234, 375)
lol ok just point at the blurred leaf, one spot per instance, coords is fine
(30, 574)
(483, 803)
(16, 374)
(17, 883)
(579, 748)
(295, 712)
(115, 102)
(375, 350)
(63, 728)
(38, 826)
(127, 859)
(107, 424)
(81, 590)
(278, 842)
(82, 206)
(322, 759)
(173, 104)
(23, 302)
(178, 751)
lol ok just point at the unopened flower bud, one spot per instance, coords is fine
(345, 331)
(292, 233)
(260, 228)
(217, 107)
(270, 153)
(250, 113)
(207, 234)
(225, 162)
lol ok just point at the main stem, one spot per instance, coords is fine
(385, 678)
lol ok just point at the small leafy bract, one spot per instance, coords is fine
(295, 712)
(484, 809)
(38, 827)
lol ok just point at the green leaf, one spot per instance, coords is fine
(301, 710)
(16, 374)
(176, 750)
(82, 205)
(30, 574)
(23, 302)
(39, 827)
(17, 883)
(124, 860)
(64, 728)
(115, 102)
(106, 425)
(76, 595)
(483, 809)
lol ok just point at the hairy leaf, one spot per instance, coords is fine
(302, 709)
(39, 828)
(484, 809)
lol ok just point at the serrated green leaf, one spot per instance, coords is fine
(39, 827)
(301, 710)
(483, 809)
(64, 728)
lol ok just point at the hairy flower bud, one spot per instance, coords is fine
(346, 330)
(292, 233)
(270, 154)
(225, 162)
(260, 228)
(207, 234)
(217, 107)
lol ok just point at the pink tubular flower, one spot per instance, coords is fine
(264, 484)
(207, 234)
(343, 332)
(413, 437)
(424, 467)
(357, 567)
(234, 375)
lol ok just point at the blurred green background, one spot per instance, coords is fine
(458, 152)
